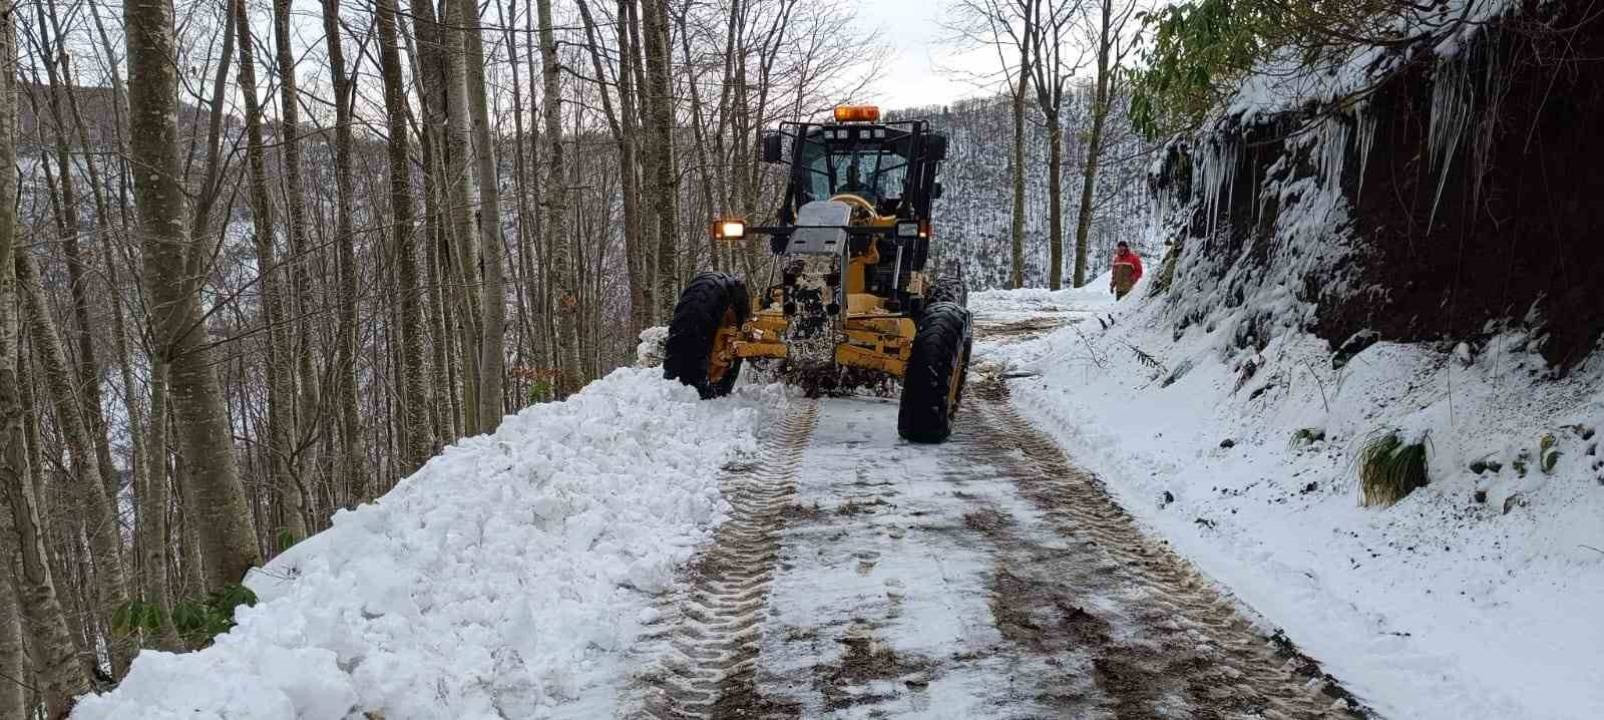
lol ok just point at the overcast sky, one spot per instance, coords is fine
(915, 75)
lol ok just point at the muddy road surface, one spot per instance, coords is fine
(861, 576)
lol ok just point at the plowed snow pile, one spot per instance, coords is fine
(1477, 597)
(503, 579)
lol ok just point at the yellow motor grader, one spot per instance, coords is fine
(848, 296)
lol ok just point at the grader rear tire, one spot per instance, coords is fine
(707, 319)
(933, 383)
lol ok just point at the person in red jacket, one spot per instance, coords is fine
(1127, 270)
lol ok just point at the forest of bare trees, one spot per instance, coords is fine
(264, 259)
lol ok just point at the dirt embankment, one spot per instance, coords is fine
(1504, 230)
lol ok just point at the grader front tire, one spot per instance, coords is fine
(933, 383)
(707, 319)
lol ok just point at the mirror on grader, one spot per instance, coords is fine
(848, 299)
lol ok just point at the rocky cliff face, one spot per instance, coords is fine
(1457, 195)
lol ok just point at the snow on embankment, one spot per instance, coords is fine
(503, 579)
(1437, 190)
(1475, 598)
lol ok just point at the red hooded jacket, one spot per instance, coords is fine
(1130, 258)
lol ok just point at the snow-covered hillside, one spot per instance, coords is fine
(1476, 597)
(504, 577)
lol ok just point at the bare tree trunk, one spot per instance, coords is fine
(564, 266)
(630, 53)
(280, 366)
(1016, 230)
(1083, 222)
(13, 695)
(526, 352)
(1094, 144)
(459, 204)
(492, 348)
(211, 187)
(214, 498)
(62, 677)
(623, 131)
(660, 138)
(81, 330)
(432, 93)
(350, 431)
(539, 293)
(154, 500)
(98, 515)
(416, 443)
(119, 331)
(299, 304)
(629, 169)
(1055, 201)
(703, 162)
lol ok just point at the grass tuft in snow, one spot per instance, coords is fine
(1304, 437)
(1390, 469)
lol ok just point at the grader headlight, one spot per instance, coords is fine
(730, 229)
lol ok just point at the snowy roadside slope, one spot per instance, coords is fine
(503, 579)
(1441, 607)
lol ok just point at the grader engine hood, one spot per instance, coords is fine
(821, 228)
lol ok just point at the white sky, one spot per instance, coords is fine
(915, 74)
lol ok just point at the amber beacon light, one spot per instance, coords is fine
(857, 113)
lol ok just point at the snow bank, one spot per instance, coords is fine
(1041, 299)
(1474, 598)
(502, 579)
(649, 352)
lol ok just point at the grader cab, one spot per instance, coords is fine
(848, 295)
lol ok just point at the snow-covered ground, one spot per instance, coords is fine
(503, 579)
(1475, 597)
(511, 576)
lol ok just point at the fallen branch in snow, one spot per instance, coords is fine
(1318, 383)
(1091, 351)
(1145, 358)
(1594, 549)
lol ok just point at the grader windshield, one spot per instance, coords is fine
(892, 165)
(876, 171)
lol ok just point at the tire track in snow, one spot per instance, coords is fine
(708, 669)
(1193, 646)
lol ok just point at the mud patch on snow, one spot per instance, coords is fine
(1154, 638)
(1014, 330)
(868, 672)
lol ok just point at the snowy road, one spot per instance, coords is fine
(861, 576)
(635, 552)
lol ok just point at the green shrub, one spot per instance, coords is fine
(1390, 469)
(284, 539)
(1198, 51)
(197, 621)
(1164, 279)
(136, 616)
(1547, 454)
